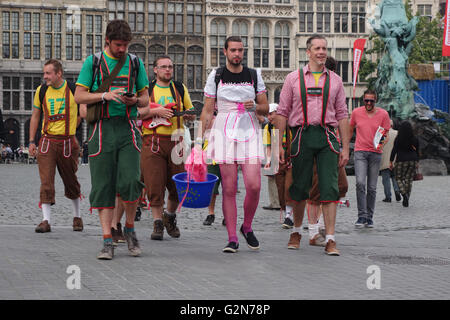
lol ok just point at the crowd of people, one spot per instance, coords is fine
(136, 143)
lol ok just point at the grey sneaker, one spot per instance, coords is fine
(133, 244)
(107, 252)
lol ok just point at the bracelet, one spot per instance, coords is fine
(103, 96)
(32, 142)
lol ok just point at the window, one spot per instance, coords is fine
(10, 37)
(282, 38)
(11, 93)
(153, 52)
(176, 53)
(323, 16)
(194, 18)
(358, 16)
(30, 85)
(262, 1)
(277, 93)
(36, 45)
(138, 50)
(195, 68)
(156, 17)
(282, 1)
(94, 41)
(341, 17)
(116, 9)
(261, 45)
(27, 45)
(174, 17)
(217, 42)
(303, 58)
(52, 36)
(73, 37)
(424, 10)
(136, 15)
(27, 21)
(306, 15)
(240, 28)
(343, 63)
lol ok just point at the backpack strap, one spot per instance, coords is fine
(218, 77)
(42, 92)
(134, 66)
(254, 76)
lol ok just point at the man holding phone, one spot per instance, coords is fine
(114, 140)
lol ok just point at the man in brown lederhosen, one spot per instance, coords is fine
(58, 146)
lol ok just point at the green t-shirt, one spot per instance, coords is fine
(114, 108)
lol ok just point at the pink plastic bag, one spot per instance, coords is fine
(196, 165)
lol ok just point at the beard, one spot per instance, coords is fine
(235, 63)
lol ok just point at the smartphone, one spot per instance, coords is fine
(129, 94)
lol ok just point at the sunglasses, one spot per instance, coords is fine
(369, 101)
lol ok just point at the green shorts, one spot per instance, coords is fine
(215, 170)
(114, 159)
(309, 143)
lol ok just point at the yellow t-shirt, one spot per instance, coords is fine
(163, 96)
(56, 104)
(316, 76)
(267, 139)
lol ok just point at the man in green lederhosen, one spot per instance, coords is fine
(312, 104)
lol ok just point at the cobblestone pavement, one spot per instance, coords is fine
(408, 249)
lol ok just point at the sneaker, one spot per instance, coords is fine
(271, 208)
(158, 230)
(231, 247)
(387, 200)
(43, 227)
(360, 222)
(209, 220)
(288, 223)
(294, 241)
(133, 244)
(317, 240)
(138, 214)
(330, 248)
(107, 253)
(170, 222)
(252, 242)
(77, 224)
(369, 223)
(398, 196)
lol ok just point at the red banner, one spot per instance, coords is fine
(446, 42)
(358, 49)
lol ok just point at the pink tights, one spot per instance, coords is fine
(252, 182)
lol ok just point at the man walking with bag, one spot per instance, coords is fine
(114, 139)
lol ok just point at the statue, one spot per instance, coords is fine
(394, 85)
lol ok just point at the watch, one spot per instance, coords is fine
(32, 142)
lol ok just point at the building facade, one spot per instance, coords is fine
(192, 32)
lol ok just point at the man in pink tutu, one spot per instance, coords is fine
(235, 138)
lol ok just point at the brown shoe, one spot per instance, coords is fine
(77, 224)
(43, 227)
(158, 230)
(120, 236)
(170, 222)
(330, 248)
(317, 240)
(294, 241)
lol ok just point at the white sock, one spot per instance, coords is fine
(329, 237)
(76, 208)
(288, 211)
(313, 230)
(321, 222)
(297, 229)
(46, 211)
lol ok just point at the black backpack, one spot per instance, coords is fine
(254, 76)
(44, 88)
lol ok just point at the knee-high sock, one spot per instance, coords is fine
(76, 208)
(46, 211)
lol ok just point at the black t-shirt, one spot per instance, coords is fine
(229, 77)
